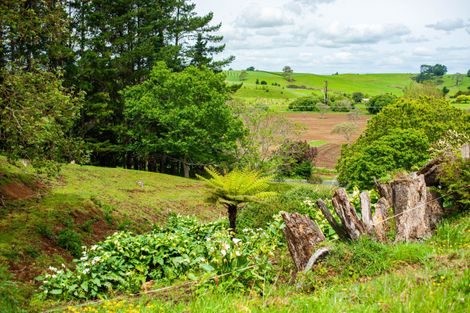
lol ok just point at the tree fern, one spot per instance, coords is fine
(236, 187)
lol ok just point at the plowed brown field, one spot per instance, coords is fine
(318, 128)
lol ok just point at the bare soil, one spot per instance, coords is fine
(318, 128)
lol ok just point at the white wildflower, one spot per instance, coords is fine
(95, 260)
(238, 253)
(93, 248)
(236, 240)
(208, 239)
(226, 246)
(86, 271)
(52, 268)
(224, 252)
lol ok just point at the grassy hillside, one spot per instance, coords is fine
(45, 223)
(369, 84)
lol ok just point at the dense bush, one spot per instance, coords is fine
(357, 97)
(300, 199)
(70, 240)
(376, 103)
(183, 249)
(400, 149)
(386, 139)
(343, 105)
(295, 159)
(305, 104)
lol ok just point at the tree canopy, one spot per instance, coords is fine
(182, 115)
(425, 120)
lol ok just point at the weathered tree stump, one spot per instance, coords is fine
(434, 210)
(365, 210)
(380, 220)
(410, 195)
(302, 235)
(354, 226)
(337, 227)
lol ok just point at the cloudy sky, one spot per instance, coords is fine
(346, 36)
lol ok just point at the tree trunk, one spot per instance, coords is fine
(302, 235)
(232, 217)
(186, 168)
(410, 195)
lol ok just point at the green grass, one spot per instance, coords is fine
(317, 143)
(369, 84)
(84, 205)
(363, 276)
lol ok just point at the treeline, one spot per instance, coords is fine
(96, 49)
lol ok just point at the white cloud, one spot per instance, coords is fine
(448, 25)
(336, 34)
(422, 51)
(298, 5)
(256, 17)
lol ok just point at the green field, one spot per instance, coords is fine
(369, 84)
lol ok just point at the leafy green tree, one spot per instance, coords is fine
(430, 116)
(398, 150)
(235, 188)
(250, 69)
(287, 72)
(445, 90)
(34, 32)
(36, 116)
(376, 103)
(117, 43)
(357, 97)
(428, 72)
(182, 115)
(468, 73)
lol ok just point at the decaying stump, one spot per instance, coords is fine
(302, 235)
(337, 227)
(353, 225)
(434, 210)
(380, 220)
(410, 195)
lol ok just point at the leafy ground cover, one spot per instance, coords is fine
(364, 276)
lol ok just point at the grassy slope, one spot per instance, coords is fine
(369, 84)
(92, 202)
(364, 276)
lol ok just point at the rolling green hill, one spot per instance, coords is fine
(369, 84)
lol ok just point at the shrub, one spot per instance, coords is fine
(376, 103)
(184, 249)
(295, 158)
(357, 97)
(463, 99)
(70, 240)
(343, 105)
(263, 82)
(305, 104)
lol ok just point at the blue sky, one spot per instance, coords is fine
(346, 36)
